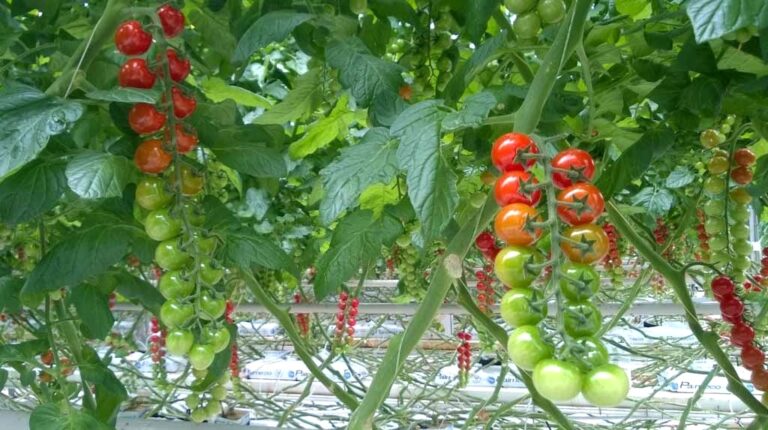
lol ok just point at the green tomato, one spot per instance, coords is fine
(212, 409)
(526, 347)
(582, 319)
(740, 196)
(711, 138)
(174, 314)
(403, 241)
(194, 214)
(444, 64)
(178, 342)
(551, 11)
(557, 380)
(578, 281)
(718, 243)
(714, 185)
(151, 193)
(742, 247)
(209, 272)
(211, 307)
(606, 386)
(206, 245)
(218, 338)
(739, 214)
(527, 26)
(741, 263)
(717, 165)
(519, 307)
(519, 6)
(588, 353)
(160, 225)
(201, 356)
(739, 231)
(175, 285)
(714, 226)
(513, 266)
(199, 374)
(219, 393)
(715, 207)
(192, 401)
(719, 258)
(198, 415)
(170, 256)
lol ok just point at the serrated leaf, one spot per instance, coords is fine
(365, 75)
(10, 290)
(217, 90)
(272, 27)
(139, 291)
(125, 95)
(703, 96)
(658, 201)
(490, 50)
(431, 183)
(736, 59)
(376, 197)
(356, 242)
(680, 177)
(324, 131)
(251, 158)
(214, 30)
(23, 351)
(300, 101)
(28, 118)
(712, 19)
(247, 249)
(475, 109)
(96, 175)
(49, 416)
(43, 179)
(478, 12)
(371, 161)
(93, 308)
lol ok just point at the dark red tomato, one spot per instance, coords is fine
(136, 74)
(517, 186)
(513, 224)
(722, 287)
(573, 165)
(760, 379)
(131, 39)
(732, 308)
(485, 241)
(744, 157)
(150, 157)
(742, 335)
(145, 119)
(752, 358)
(179, 67)
(183, 105)
(741, 175)
(581, 203)
(508, 150)
(171, 19)
(585, 243)
(185, 142)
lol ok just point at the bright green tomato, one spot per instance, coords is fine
(519, 6)
(717, 165)
(578, 281)
(192, 401)
(588, 353)
(219, 393)
(742, 247)
(739, 214)
(519, 307)
(526, 347)
(175, 285)
(160, 225)
(198, 415)
(718, 243)
(174, 314)
(582, 319)
(201, 356)
(741, 262)
(211, 307)
(178, 342)
(714, 185)
(739, 231)
(218, 338)
(151, 193)
(714, 207)
(209, 272)
(514, 266)
(714, 226)
(551, 11)
(170, 256)
(212, 409)
(527, 26)
(606, 386)
(206, 245)
(557, 380)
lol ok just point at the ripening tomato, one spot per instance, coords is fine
(717, 165)
(741, 196)
(144, 118)
(519, 6)
(509, 150)
(191, 181)
(405, 92)
(179, 68)
(744, 157)
(711, 138)
(151, 193)
(136, 74)
(578, 281)
(175, 284)
(585, 243)
(171, 19)
(201, 356)
(183, 105)
(150, 157)
(557, 380)
(47, 357)
(185, 140)
(513, 224)
(517, 186)
(178, 342)
(752, 357)
(517, 266)
(606, 386)
(526, 348)
(582, 319)
(581, 203)
(522, 306)
(741, 175)
(572, 165)
(161, 225)
(131, 39)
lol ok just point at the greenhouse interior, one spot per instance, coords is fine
(383, 214)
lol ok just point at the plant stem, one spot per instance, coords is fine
(73, 341)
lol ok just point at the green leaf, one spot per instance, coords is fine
(736, 59)
(478, 13)
(394, 8)
(217, 90)
(356, 242)
(375, 33)
(490, 50)
(703, 96)
(96, 372)
(635, 9)
(371, 161)
(680, 177)
(10, 289)
(93, 308)
(3, 378)
(23, 351)
(50, 416)
(431, 183)
(712, 19)
(96, 175)
(215, 31)
(658, 201)
(28, 118)
(366, 76)
(251, 158)
(272, 27)
(246, 249)
(376, 197)
(125, 95)
(139, 291)
(475, 110)
(324, 131)
(43, 179)
(305, 96)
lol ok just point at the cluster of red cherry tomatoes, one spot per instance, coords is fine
(464, 352)
(302, 320)
(612, 260)
(346, 319)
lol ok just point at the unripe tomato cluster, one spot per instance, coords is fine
(464, 353)
(346, 320)
(582, 361)
(407, 262)
(532, 14)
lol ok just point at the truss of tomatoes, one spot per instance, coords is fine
(583, 364)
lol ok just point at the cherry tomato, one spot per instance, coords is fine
(741, 175)
(587, 354)
(717, 165)
(551, 11)
(580, 203)
(174, 314)
(742, 335)
(508, 151)
(484, 241)
(205, 245)
(171, 19)
(572, 165)
(722, 286)
(185, 142)
(208, 272)
(179, 68)
(520, 306)
(585, 243)
(150, 157)
(519, 6)
(578, 281)
(741, 196)
(606, 386)
(179, 342)
(517, 266)
(151, 193)
(218, 338)
(191, 182)
(405, 92)
(527, 26)
(557, 380)
(145, 119)
(183, 105)
(744, 157)
(752, 358)
(732, 308)
(47, 357)
(175, 285)
(513, 224)
(582, 319)
(201, 356)
(760, 379)
(711, 138)
(526, 347)
(160, 225)
(517, 186)
(136, 74)
(212, 308)
(170, 256)
(131, 39)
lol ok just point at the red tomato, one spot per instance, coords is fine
(580, 203)
(744, 157)
(171, 19)
(131, 39)
(185, 142)
(406, 92)
(145, 119)
(508, 148)
(585, 243)
(183, 105)
(576, 166)
(150, 157)
(742, 335)
(136, 74)
(47, 357)
(760, 379)
(513, 224)
(752, 358)
(516, 187)
(741, 175)
(179, 67)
